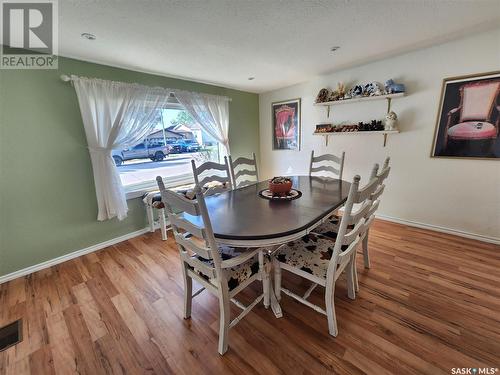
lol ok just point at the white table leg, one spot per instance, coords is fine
(275, 304)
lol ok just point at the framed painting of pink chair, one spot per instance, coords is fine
(468, 118)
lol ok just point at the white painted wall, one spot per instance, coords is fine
(457, 194)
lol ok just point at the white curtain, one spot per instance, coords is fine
(115, 115)
(211, 112)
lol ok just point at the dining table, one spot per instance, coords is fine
(244, 218)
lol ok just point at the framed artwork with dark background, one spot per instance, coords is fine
(468, 118)
(286, 124)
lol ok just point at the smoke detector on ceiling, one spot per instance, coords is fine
(88, 36)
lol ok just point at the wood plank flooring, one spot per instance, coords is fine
(430, 303)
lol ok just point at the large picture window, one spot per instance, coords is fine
(135, 133)
(166, 151)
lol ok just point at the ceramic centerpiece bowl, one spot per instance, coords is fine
(280, 185)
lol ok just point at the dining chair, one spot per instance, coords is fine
(327, 165)
(319, 259)
(331, 227)
(212, 177)
(243, 168)
(222, 270)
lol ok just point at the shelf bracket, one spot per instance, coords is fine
(326, 140)
(328, 111)
(388, 105)
(385, 139)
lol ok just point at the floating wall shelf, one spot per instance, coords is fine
(387, 97)
(383, 132)
(362, 99)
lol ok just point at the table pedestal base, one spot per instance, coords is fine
(275, 305)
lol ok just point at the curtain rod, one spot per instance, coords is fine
(67, 78)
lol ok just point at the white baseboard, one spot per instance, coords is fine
(72, 255)
(102, 245)
(437, 228)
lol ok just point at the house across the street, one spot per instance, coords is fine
(170, 136)
(191, 131)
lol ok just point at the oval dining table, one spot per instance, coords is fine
(242, 218)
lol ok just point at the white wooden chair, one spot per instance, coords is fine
(317, 258)
(331, 227)
(152, 201)
(327, 165)
(242, 169)
(222, 270)
(211, 177)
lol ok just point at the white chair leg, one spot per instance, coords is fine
(330, 310)
(163, 224)
(351, 287)
(151, 220)
(266, 280)
(188, 293)
(277, 278)
(223, 320)
(366, 256)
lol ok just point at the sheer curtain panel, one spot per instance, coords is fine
(115, 115)
(211, 112)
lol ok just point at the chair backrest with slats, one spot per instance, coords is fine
(352, 225)
(211, 172)
(384, 173)
(375, 196)
(244, 171)
(327, 165)
(370, 196)
(192, 229)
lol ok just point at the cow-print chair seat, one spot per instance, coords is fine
(330, 228)
(311, 254)
(235, 275)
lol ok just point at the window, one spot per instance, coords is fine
(167, 151)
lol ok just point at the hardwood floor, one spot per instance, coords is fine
(430, 303)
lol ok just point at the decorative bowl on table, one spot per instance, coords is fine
(280, 186)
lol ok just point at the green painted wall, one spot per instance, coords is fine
(47, 201)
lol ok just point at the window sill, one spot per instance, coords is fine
(138, 190)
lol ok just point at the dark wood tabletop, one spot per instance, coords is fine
(242, 214)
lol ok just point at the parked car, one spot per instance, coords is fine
(185, 145)
(155, 152)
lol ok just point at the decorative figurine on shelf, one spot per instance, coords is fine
(334, 95)
(324, 128)
(323, 96)
(372, 89)
(356, 91)
(374, 125)
(341, 90)
(392, 88)
(391, 121)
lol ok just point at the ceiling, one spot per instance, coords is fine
(280, 43)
